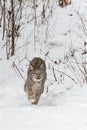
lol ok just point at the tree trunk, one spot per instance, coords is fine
(13, 30)
(64, 3)
(3, 19)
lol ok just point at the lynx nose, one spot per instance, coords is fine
(38, 77)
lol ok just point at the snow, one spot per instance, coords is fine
(62, 110)
(64, 105)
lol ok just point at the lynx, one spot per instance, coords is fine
(36, 76)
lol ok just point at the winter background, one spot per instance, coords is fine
(62, 42)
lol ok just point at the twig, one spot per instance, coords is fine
(66, 75)
(17, 69)
(54, 74)
(83, 24)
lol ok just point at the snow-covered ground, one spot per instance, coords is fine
(63, 109)
(64, 106)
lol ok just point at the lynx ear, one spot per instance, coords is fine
(31, 67)
(42, 66)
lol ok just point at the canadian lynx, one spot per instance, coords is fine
(36, 76)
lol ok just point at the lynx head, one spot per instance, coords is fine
(37, 69)
(37, 75)
(37, 63)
